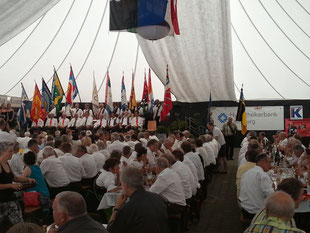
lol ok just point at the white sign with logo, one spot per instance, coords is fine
(258, 118)
(296, 112)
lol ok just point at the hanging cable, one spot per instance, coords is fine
(287, 37)
(303, 7)
(75, 39)
(23, 42)
(116, 41)
(43, 51)
(292, 19)
(269, 46)
(246, 51)
(92, 46)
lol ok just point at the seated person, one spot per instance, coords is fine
(87, 121)
(125, 123)
(137, 122)
(113, 122)
(70, 215)
(109, 176)
(33, 171)
(63, 121)
(100, 123)
(140, 160)
(75, 122)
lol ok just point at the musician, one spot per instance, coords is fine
(67, 110)
(51, 123)
(87, 109)
(63, 121)
(75, 122)
(101, 110)
(113, 123)
(100, 123)
(125, 123)
(137, 122)
(77, 110)
(87, 121)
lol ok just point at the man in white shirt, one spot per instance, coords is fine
(77, 110)
(53, 171)
(125, 122)
(179, 168)
(53, 109)
(74, 169)
(87, 121)
(88, 163)
(194, 157)
(75, 122)
(16, 162)
(100, 123)
(101, 110)
(113, 122)
(218, 135)
(210, 151)
(37, 125)
(87, 109)
(99, 157)
(255, 187)
(51, 122)
(166, 146)
(137, 122)
(157, 109)
(63, 121)
(23, 141)
(152, 148)
(168, 183)
(67, 110)
(115, 143)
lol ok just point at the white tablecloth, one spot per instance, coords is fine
(108, 200)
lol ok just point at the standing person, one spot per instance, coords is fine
(10, 117)
(9, 208)
(157, 111)
(229, 130)
(219, 137)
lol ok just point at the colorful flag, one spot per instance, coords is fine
(150, 92)
(57, 92)
(123, 95)
(22, 111)
(36, 105)
(145, 96)
(46, 100)
(167, 106)
(72, 90)
(95, 98)
(209, 113)
(127, 14)
(108, 95)
(132, 99)
(241, 114)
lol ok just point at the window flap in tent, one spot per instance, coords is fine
(17, 15)
(200, 58)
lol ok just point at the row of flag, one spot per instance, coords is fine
(41, 103)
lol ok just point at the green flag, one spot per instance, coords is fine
(57, 92)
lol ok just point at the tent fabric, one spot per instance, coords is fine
(201, 55)
(17, 15)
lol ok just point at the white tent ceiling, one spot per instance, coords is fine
(271, 49)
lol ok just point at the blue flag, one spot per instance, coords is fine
(46, 98)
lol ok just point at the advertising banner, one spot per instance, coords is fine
(258, 118)
(302, 127)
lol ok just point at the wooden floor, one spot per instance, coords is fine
(220, 212)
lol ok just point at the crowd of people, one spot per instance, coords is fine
(62, 159)
(175, 173)
(267, 201)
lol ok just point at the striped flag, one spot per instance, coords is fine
(46, 100)
(145, 96)
(36, 105)
(72, 90)
(241, 114)
(57, 91)
(123, 95)
(167, 106)
(132, 100)
(108, 95)
(150, 92)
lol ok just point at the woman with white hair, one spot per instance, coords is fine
(9, 207)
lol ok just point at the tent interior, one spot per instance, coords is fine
(262, 45)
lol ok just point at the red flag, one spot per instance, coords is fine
(36, 105)
(167, 99)
(174, 16)
(145, 96)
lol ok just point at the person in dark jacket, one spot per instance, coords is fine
(144, 212)
(70, 215)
